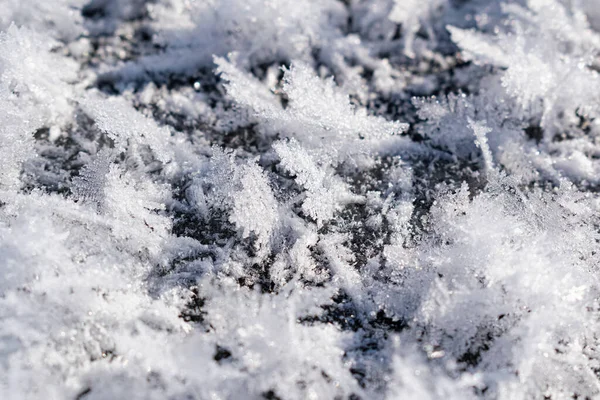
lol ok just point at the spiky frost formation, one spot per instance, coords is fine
(292, 199)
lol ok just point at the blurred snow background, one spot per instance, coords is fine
(299, 199)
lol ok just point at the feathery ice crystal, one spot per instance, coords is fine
(299, 199)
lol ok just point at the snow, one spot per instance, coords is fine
(277, 199)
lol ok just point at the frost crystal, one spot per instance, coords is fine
(299, 199)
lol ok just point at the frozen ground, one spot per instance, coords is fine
(299, 199)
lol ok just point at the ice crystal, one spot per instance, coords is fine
(278, 199)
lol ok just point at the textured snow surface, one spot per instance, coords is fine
(299, 199)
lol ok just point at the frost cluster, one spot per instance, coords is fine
(299, 199)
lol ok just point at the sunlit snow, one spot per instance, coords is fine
(299, 199)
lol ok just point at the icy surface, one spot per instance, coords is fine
(299, 199)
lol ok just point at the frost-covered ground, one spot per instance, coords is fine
(299, 199)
